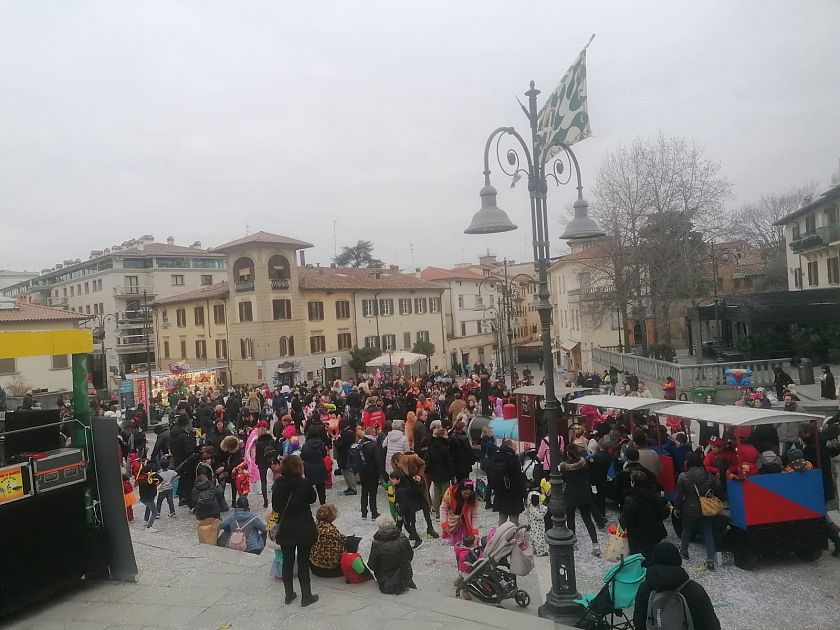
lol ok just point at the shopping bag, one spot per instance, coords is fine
(522, 554)
(617, 545)
(208, 530)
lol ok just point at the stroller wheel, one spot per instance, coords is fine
(522, 599)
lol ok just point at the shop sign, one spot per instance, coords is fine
(11, 484)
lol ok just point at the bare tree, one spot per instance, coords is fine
(659, 201)
(755, 222)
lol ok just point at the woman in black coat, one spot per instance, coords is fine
(578, 495)
(461, 451)
(642, 514)
(508, 483)
(439, 467)
(313, 453)
(291, 497)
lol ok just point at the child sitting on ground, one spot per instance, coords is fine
(466, 554)
(352, 565)
(536, 511)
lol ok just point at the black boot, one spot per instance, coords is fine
(290, 592)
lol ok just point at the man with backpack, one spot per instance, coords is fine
(209, 502)
(668, 599)
(363, 460)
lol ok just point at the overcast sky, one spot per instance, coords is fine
(195, 118)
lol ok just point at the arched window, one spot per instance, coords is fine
(283, 347)
(243, 274)
(278, 268)
(291, 346)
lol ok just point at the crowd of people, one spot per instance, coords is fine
(401, 446)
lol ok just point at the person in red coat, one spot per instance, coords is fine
(373, 416)
(720, 458)
(747, 456)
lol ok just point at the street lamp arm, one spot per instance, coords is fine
(557, 170)
(512, 155)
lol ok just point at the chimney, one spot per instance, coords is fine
(147, 238)
(395, 268)
(333, 265)
(67, 263)
(170, 240)
(196, 245)
(58, 266)
(107, 250)
(302, 258)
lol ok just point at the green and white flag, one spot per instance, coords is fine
(564, 116)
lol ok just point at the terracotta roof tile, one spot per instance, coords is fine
(436, 273)
(211, 291)
(345, 278)
(264, 237)
(25, 312)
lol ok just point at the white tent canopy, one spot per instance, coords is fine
(627, 403)
(735, 416)
(394, 358)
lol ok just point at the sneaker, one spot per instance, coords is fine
(152, 530)
(349, 493)
(305, 601)
(172, 515)
(432, 533)
(364, 517)
(710, 565)
(373, 517)
(418, 542)
(596, 550)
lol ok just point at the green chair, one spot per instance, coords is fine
(605, 609)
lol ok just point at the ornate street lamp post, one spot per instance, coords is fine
(490, 219)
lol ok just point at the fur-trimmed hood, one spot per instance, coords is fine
(576, 466)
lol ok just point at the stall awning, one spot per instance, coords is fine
(569, 347)
(627, 403)
(394, 358)
(735, 416)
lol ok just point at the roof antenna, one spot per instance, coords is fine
(335, 241)
(411, 251)
(247, 229)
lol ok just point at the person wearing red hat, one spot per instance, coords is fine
(720, 458)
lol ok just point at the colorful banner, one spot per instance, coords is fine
(143, 392)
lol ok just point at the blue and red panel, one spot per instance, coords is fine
(776, 498)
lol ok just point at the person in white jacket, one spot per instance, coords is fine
(394, 442)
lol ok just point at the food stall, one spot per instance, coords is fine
(58, 476)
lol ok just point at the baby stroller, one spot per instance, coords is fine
(604, 610)
(491, 579)
(531, 468)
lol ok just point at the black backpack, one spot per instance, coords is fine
(356, 459)
(205, 501)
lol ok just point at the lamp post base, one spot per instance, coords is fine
(559, 604)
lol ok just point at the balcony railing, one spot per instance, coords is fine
(59, 301)
(244, 286)
(126, 342)
(821, 237)
(132, 291)
(280, 285)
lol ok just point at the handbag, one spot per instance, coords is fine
(710, 505)
(272, 533)
(521, 555)
(617, 545)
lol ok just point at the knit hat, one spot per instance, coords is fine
(262, 424)
(667, 554)
(718, 442)
(351, 544)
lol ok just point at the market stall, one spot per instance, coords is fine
(179, 378)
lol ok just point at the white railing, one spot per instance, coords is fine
(688, 376)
